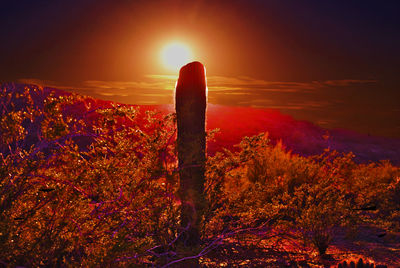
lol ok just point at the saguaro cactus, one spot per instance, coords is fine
(190, 105)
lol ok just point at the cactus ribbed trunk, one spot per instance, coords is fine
(191, 102)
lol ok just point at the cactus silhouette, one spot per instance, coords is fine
(359, 264)
(190, 104)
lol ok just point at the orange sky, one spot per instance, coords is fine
(335, 64)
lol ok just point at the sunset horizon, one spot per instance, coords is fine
(173, 133)
(331, 64)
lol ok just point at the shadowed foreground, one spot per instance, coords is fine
(96, 184)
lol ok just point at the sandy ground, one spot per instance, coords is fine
(370, 243)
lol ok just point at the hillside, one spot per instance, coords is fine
(234, 123)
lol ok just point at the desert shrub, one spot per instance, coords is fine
(376, 193)
(98, 187)
(266, 185)
(274, 165)
(234, 198)
(314, 210)
(106, 203)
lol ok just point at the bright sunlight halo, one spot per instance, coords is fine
(175, 55)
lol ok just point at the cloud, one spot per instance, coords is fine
(241, 90)
(240, 83)
(348, 82)
(148, 91)
(248, 83)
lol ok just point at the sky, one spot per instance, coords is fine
(334, 63)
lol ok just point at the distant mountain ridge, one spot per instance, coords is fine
(301, 137)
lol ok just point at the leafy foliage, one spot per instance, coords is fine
(99, 188)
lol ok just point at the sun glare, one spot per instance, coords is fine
(175, 55)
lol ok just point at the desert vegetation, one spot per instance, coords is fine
(87, 184)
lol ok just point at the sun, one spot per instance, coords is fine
(175, 55)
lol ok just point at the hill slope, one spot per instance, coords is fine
(301, 137)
